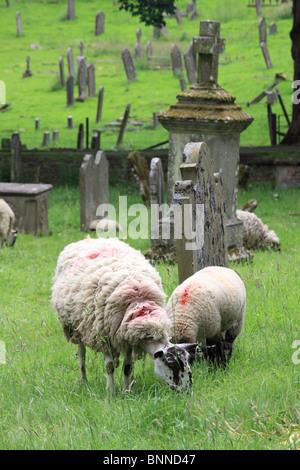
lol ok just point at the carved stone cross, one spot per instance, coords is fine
(207, 46)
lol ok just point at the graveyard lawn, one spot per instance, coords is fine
(47, 34)
(254, 404)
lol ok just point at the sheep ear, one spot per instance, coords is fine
(159, 353)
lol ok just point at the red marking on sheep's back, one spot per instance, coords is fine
(144, 311)
(185, 295)
(103, 253)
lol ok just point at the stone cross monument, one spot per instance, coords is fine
(206, 112)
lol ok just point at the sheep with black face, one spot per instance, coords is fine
(109, 298)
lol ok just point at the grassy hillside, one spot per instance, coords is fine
(45, 23)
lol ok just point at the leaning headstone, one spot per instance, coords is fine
(71, 64)
(81, 79)
(94, 188)
(71, 9)
(91, 79)
(201, 239)
(123, 125)
(128, 64)
(19, 24)
(70, 91)
(61, 71)
(100, 19)
(16, 157)
(272, 29)
(176, 60)
(178, 15)
(262, 28)
(100, 104)
(266, 55)
(190, 67)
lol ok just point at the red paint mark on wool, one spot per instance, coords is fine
(185, 295)
(144, 311)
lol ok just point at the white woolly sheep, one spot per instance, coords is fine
(109, 298)
(7, 218)
(209, 308)
(255, 233)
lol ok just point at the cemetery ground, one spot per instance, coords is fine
(254, 404)
(42, 96)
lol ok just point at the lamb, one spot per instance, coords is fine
(209, 308)
(7, 219)
(109, 298)
(255, 233)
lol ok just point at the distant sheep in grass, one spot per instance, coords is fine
(7, 218)
(209, 308)
(108, 297)
(256, 234)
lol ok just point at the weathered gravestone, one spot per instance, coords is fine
(149, 50)
(71, 64)
(205, 112)
(71, 9)
(94, 187)
(123, 125)
(46, 139)
(29, 203)
(19, 24)
(156, 190)
(81, 79)
(80, 137)
(138, 47)
(272, 28)
(258, 8)
(176, 60)
(100, 104)
(128, 65)
(262, 28)
(201, 238)
(61, 70)
(91, 79)
(70, 91)
(190, 67)
(100, 20)
(16, 157)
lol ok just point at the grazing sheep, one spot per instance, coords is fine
(109, 298)
(209, 308)
(7, 218)
(256, 234)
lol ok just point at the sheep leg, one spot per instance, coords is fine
(110, 369)
(128, 372)
(81, 358)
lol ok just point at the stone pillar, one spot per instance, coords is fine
(205, 112)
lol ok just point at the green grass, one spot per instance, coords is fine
(254, 404)
(42, 96)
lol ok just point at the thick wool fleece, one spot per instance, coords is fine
(108, 296)
(255, 233)
(7, 219)
(207, 304)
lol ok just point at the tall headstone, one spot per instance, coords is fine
(80, 137)
(128, 65)
(71, 9)
(61, 70)
(94, 187)
(149, 50)
(123, 125)
(156, 182)
(16, 157)
(262, 28)
(81, 79)
(190, 68)
(19, 24)
(258, 8)
(100, 21)
(207, 113)
(71, 64)
(138, 47)
(203, 238)
(100, 104)
(91, 79)
(176, 60)
(70, 91)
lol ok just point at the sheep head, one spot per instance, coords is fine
(172, 364)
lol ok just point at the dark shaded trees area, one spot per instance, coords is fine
(293, 135)
(150, 11)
